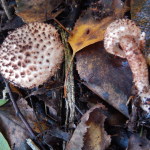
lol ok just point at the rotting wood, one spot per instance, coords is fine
(69, 83)
(6, 9)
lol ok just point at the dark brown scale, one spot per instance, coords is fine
(16, 76)
(13, 58)
(43, 33)
(5, 57)
(23, 65)
(30, 47)
(30, 80)
(10, 71)
(37, 46)
(22, 74)
(27, 54)
(27, 61)
(19, 63)
(15, 67)
(32, 68)
(3, 64)
(8, 64)
(35, 31)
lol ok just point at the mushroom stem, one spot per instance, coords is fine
(139, 69)
(137, 63)
(124, 39)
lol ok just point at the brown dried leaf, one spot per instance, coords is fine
(108, 77)
(138, 143)
(13, 127)
(36, 10)
(15, 89)
(90, 133)
(140, 11)
(91, 26)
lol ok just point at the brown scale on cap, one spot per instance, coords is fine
(33, 53)
(124, 39)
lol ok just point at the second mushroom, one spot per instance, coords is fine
(124, 39)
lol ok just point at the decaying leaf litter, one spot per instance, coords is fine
(91, 102)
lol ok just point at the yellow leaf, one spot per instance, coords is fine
(88, 33)
(90, 27)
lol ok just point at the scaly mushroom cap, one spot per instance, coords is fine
(31, 54)
(118, 29)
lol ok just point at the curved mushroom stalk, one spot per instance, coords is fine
(128, 39)
(139, 69)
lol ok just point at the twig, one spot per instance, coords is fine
(18, 112)
(6, 9)
(32, 144)
(61, 26)
(69, 82)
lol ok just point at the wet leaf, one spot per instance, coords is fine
(36, 10)
(138, 143)
(107, 76)
(140, 11)
(4, 97)
(3, 143)
(3, 101)
(90, 27)
(90, 133)
(13, 127)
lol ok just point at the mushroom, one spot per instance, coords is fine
(31, 54)
(124, 39)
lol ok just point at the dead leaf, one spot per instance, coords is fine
(88, 33)
(138, 143)
(114, 118)
(90, 133)
(15, 89)
(88, 29)
(13, 127)
(107, 76)
(36, 10)
(140, 11)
